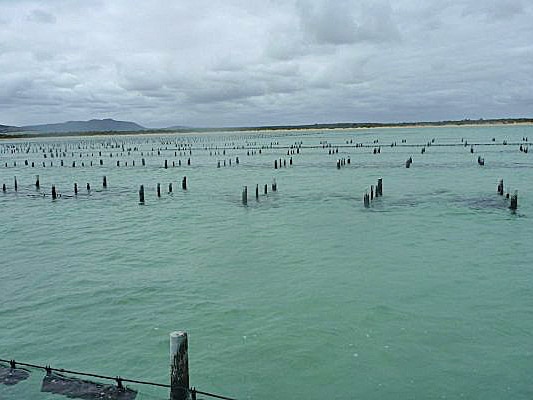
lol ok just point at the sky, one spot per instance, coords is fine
(208, 63)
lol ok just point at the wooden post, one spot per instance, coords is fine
(170, 187)
(274, 185)
(166, 164)
(245, 195)
(257, 192)
(16, 184)
(179, 366)
(500, 187)
(184, 183)
(514, 201)
(366, 200)
(4, 187)
(380, 187)
(104, 183)
(54, 193)
(266, 188)
(158, 190)
(141, 194)
(88, 187)
(75, 188)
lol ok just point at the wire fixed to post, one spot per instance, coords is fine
(119, 380)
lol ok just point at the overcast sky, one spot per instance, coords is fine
(264, 62)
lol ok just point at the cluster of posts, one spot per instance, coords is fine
(342, 162)
(141, 189)
(229, 161)
(280, 162)
(265, 191)
(513, 197)
(367, 198)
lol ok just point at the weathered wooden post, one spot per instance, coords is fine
(75, 188)
(143, 162)
(245, 195)
(179, 366)
(274, 185)
(88, 187)
(170, 187)
(500, 187)
(16, 184)
(184, 183)
(54, 193)
(514, 201)
(104, 183)
(379, 190)
(166, 164)
(275, 164)
(371, 192)
(257, 191)
(158, 190)
(266, 188)
(366, 200)
(141, 194)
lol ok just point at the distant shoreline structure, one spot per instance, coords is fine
(276, 128)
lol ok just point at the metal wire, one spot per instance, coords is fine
(117, 379)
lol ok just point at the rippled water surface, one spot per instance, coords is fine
(302, 294)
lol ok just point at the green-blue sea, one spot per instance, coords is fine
(302, 293)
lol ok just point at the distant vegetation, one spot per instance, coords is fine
(112, 127)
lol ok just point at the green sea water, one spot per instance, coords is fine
(303, 293)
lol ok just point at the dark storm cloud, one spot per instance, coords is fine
(264, 62)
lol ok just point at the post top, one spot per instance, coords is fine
(176, 334)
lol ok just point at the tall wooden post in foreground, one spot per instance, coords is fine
(179, 366)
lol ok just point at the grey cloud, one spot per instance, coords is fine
(495, 9)
(264, 62)
(347, 22)
(42, 17)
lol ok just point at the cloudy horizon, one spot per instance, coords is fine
(250, 63)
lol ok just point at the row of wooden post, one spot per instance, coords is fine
(513, 197)
(367, 198)
(265, 190)
(278, 165)
(141, 189)
(54, 192)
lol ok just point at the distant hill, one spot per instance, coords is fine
(9, 129)
(94, 125)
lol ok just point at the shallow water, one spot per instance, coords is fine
(302, 294)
